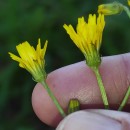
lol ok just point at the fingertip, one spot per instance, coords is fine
(83, 120)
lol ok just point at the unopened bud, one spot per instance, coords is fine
(129, 2)
(110, 9)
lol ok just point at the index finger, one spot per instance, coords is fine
(78, 81)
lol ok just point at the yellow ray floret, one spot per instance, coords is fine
(88, 36)
(32, 60)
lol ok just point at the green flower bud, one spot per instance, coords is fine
(111, 8)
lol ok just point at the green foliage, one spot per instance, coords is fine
(33, 19)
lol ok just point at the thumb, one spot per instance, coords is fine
(96, 120)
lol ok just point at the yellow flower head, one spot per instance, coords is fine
(88, 37)
(32, 60)
(110, 9)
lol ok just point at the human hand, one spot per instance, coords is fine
(95, 119)
(78, 81)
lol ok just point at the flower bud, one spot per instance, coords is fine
(110, 9)
(129, 2)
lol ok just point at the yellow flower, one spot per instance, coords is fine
(32, 60)
(88, 37)
(110, 9)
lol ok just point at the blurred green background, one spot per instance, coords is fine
(29, 20)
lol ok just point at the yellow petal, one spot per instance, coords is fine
(26, 51)
(44, 49)
(16, 58)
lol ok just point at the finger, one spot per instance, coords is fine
(96, 120)
(122, 117)
(78, 81)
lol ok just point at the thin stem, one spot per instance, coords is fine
(53, 98)
(125, 99)
(101, 87)
(126, 9)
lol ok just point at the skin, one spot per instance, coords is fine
(78, 81)
(96, 120)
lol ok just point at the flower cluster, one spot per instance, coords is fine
(88, 38)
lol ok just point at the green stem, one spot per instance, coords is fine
(101, 87)
(124, 101)
(53, 98)
(126, 9)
